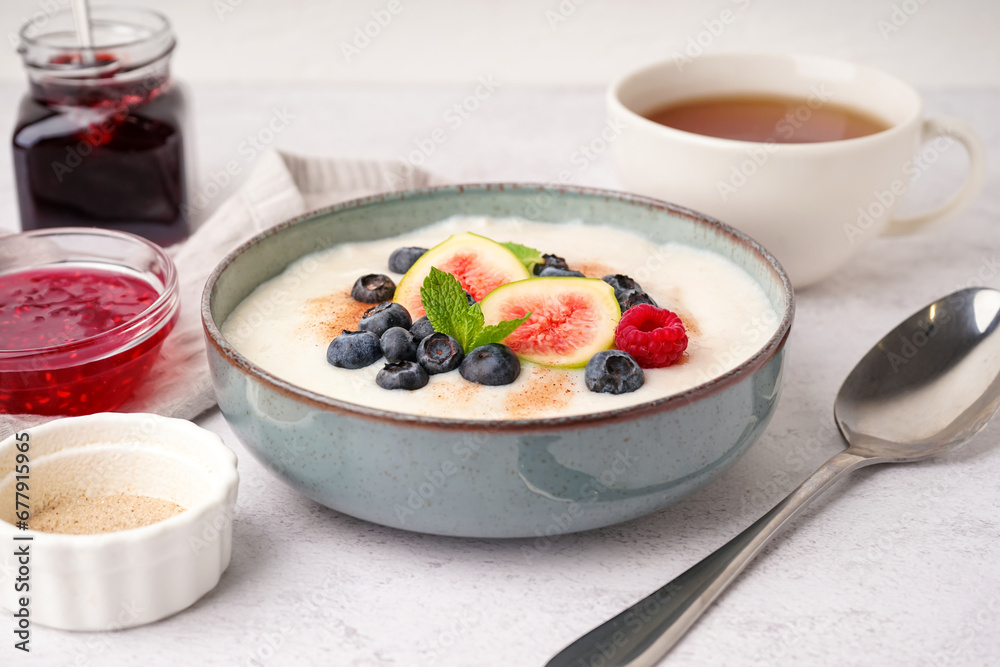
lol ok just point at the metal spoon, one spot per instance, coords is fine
(924, 389)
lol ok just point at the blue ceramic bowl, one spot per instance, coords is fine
(481, 478)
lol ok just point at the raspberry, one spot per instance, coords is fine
(655, 337)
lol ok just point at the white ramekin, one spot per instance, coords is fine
(117, 580)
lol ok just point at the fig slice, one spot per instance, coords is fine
(479, 263)
(572, 319)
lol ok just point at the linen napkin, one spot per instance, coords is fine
(281, 186)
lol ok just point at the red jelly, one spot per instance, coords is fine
(99, 137)
(79, 337)
(64, 304)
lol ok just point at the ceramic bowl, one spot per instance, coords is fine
(501, 478)
(110, 581)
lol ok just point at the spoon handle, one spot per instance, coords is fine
(642, 634)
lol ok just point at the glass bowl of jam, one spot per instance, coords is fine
(83, 313)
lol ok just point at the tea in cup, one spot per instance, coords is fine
(808, 155)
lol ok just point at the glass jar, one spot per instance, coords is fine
(99, 139)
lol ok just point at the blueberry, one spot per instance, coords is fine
(613, 372)
(402, 259)
(492, 364)
(439, 353)
(551, 262)
(379, 319)
(354, 349)
(632, 298)
(402, 375)
(398, 344)
(470, 298)
(373, 288)
(552, 272)
(621, 283)
(627, 291)
(422, 328)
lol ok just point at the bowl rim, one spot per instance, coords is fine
(139, 328)
(663, 404)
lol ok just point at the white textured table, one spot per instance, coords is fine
(900, 565)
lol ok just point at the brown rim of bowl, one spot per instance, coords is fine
(748, 367)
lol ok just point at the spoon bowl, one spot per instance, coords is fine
(927, 387)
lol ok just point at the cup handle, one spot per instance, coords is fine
(945, 126)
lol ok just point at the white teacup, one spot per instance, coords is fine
(813, 205)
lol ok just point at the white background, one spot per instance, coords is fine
(937, 43)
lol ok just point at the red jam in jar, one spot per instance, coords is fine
(56, 307)
(99, 137)
(63, 304)
(80, 329)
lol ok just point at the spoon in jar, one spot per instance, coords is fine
(924, 389)
(81, 17)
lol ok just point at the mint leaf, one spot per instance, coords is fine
(495, 333)
(448, 309)
(528, 256)
(469, 325)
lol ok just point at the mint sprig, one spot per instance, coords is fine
(449, 311)
(448, 308)
(528, 256)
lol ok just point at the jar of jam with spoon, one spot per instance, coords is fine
(99, 139)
